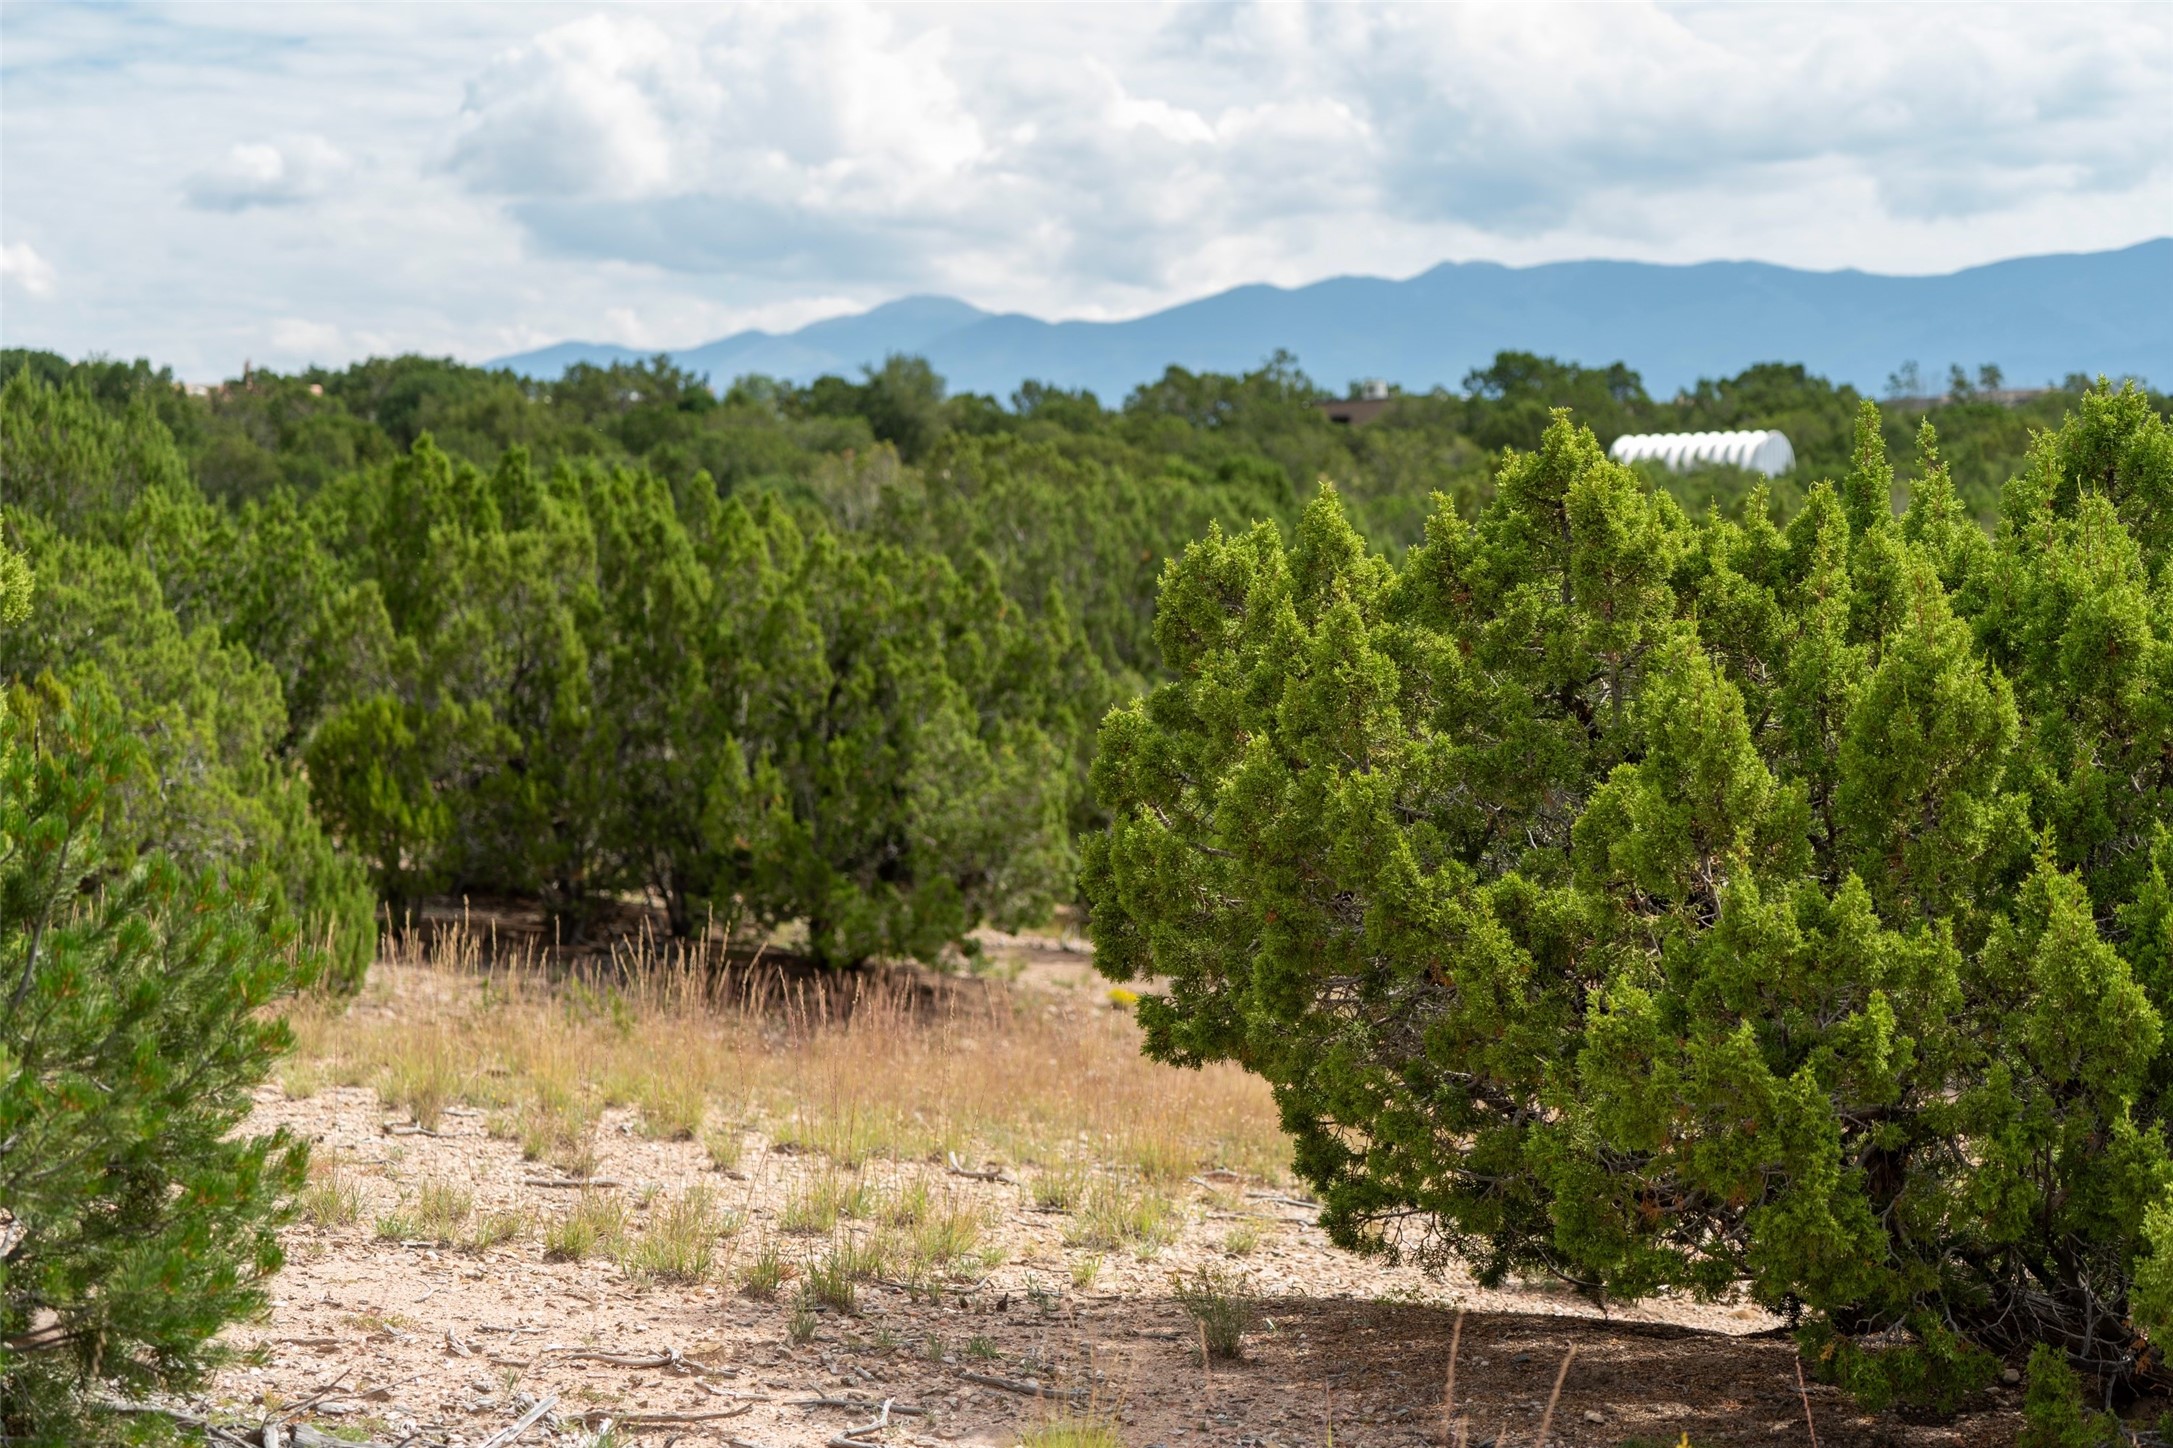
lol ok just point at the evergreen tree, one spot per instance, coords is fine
(137, 1221)
(1655, 904)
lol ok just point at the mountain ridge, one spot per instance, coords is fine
(2037, 317)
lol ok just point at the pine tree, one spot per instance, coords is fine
(137, 1221)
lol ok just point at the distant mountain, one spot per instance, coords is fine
(2039, 318)
(838, 345)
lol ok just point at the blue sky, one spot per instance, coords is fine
(204, 184)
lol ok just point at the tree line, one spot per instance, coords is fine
(830, 654)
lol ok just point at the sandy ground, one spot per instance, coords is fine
(429, 1345)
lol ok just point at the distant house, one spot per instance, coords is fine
(1371, 400)
(1765, 452)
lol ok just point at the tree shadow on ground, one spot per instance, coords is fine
(1379, 1370)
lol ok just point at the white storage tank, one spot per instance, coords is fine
(1765, 452)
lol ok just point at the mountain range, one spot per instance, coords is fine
(2038, 318)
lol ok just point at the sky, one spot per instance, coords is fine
(310, 183)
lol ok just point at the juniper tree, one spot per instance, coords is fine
(138, 1220)
(1654, 904)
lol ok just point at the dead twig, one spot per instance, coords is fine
(642, 1420)
(1546, 1419)
(854, 1435)
(1030, 1388)
(1803, 1390)
(289, 1414)
(670, 1357)
(1283, 1200)
(857, 1404)
(527, 1420)
(1448, 1396)
(958, 1168)
(577, 1183)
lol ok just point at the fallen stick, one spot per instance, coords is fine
(958, 1168)
(1284, 1201)
(1030, 1388)
(882, 1421)
(860, 1403)
(504, 1436)
(576, 1182)
(296, 1410)
(641, 1420)
(670, 1357)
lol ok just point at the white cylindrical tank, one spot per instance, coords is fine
(1766, 451)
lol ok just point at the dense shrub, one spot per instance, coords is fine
(1654, 904)
(132, 1027)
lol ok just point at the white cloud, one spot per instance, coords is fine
(474, 179)
(979, 151)
(266, 173)
(305, 340)
(821, 107)
(22, 265)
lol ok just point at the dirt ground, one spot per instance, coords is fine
(372, 1337)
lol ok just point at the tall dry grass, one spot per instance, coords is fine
(896, 1064)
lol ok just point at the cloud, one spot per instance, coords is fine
(830, 108)
(22, 265)
(264, 173)
(952, 148)
(473, 179)
(299, 337)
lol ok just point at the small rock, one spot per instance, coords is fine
(2010, 1376)
(1594, 1415)
(1781, 1427)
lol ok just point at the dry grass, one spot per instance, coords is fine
(1058, 1188)
(437, 1214)
(680, 1244)
(493, 1228)
(1074, 1432)
(1113, 1215)
(813, 1208)
(1221, 1305)
(724, 1146)
(597, 1223)
(873, 1067)
(332, 1199)
(764, 1272)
